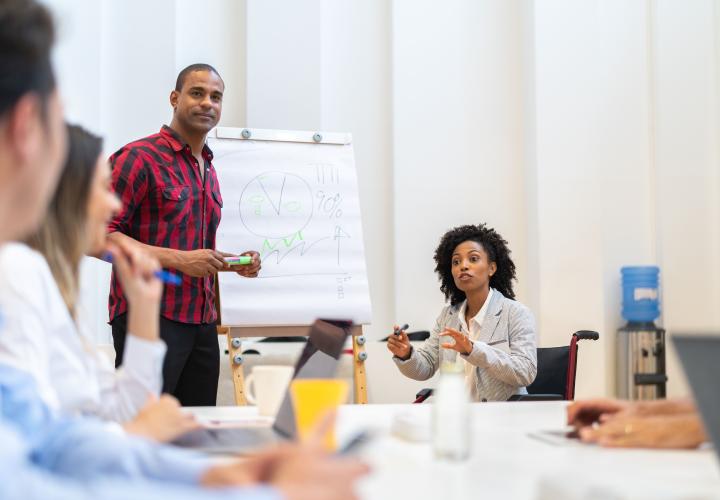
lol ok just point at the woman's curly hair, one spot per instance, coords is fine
(495, 247)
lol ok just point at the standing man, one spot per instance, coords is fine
(171, 206)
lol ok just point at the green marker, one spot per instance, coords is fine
(240, 260)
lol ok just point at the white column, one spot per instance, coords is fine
(213, 32)
(325, 65)
(284, 64)
(356, 75)
(592, 155)
(688, 168)
(78, 65)
(79, 33)
(137, 76)
(459, 137)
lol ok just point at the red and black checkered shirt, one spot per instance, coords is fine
(166, 203)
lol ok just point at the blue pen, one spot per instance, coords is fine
(165, 276)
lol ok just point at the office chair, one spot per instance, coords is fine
(557, 368)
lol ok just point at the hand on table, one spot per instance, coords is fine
(300, 471)
(633, 431)
(586, 413)
(162, 420)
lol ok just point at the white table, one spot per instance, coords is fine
(506, 463)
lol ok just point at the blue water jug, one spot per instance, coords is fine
(641, 293)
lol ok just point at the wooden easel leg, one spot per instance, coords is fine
(359, 379)
(235, 350)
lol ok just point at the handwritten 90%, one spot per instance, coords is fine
(329, 204)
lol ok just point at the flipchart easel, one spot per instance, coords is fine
(235, 334)
(234, 343)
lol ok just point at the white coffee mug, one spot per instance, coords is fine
(266, 386)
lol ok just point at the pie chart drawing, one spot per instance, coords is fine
(276, 205)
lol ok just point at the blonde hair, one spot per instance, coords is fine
(63, 237)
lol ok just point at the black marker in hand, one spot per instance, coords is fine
(399, 330)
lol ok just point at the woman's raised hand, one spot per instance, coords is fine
(462, 343)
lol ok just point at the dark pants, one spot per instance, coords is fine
(192, 362)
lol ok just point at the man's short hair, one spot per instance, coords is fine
(193, 67)
(26, 37)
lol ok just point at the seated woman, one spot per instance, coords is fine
(39, 286)
(493, 334)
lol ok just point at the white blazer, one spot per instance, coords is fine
(504, 357)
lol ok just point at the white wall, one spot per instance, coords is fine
(592, 161)
(686, 142)
(335, 76)
(459, 140)
(585, 131)
(651, 184)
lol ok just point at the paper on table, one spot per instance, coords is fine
(557, 437)
(226, 423)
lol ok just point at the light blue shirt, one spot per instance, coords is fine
(43, 456)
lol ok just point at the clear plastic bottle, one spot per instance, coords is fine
(451, 411)
(449, 359)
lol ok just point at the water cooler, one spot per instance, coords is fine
(640, 358)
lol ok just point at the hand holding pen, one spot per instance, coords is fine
(398, 343)
(140, 277)
(164, 276)
(247, 264)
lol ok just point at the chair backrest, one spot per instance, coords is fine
(557, 367)
(552, 371)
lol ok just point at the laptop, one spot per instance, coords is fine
(319, 359)
(699, 355)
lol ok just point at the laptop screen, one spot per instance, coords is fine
(699, 355)
(319, 359)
